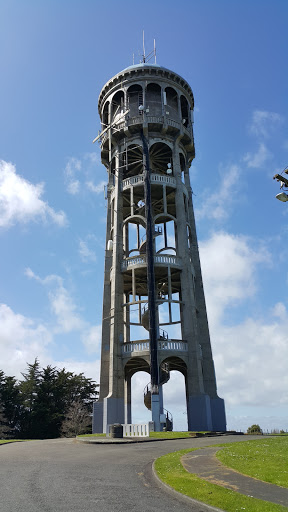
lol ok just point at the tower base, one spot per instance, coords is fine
(108, 412)
(97, 418)
(205, 413)
(113, 411)
(199, 413)
(218, 414)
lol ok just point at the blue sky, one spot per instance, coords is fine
(55, 57)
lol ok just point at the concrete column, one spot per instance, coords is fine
(97, 423)
(198, 403)
(113, 410)
(127, 402)
(202, 321)
(188, 309)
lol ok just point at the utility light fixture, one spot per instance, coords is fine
(282, 197)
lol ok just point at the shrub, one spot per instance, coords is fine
(254, 429)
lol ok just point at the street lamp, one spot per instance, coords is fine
(282, 196)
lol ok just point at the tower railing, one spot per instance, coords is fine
(159, 259)
(163, 344)
(155, 178)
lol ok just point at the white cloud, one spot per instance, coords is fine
(216, 205)
(251, 354)
(61, 303)
(259, 158)
(20, 200)
(93, 157)
(251, 362)
(73, 166)
(65, 310)
(228, 266)
(76, 167)
(21, 340)
(92, 339)
(73, 187)
(90, 369)
(86, 254)
(97, 189)
(264, 123)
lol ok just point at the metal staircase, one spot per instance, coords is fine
(142, 245)
(147, 402)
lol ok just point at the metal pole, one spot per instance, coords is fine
(153, 325)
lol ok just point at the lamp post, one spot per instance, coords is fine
(282, 196)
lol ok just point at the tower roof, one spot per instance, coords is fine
(142, 70)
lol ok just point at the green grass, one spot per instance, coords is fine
(171, 471)
(92, 435)
(156, 435)
(5, 441)
(170, 435)
(266, 459)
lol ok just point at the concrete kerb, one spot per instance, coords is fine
(129, 440)
(107, 440)
(180, 496)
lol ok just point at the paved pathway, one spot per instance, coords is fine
(62, 475)
(205, 465)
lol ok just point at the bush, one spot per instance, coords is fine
(254, 429)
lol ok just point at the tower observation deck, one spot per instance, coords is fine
(154, 312)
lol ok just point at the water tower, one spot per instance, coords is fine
(154, 312)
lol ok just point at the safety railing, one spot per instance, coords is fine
(163, 344)
(162, 179)
(159, 259)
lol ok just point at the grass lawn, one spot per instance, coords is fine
(170, 435)
(171, 471)
(266, 459)
(156, 435)
(5, 441)
(92, 435)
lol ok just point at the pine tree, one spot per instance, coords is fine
(29, 391)
(4, 430)
(11, 403)
(36, 406)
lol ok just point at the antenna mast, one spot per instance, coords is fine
(144, 58)
(149, 56)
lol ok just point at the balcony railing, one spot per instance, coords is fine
(162, 179)
(159, 259)
(144, 346)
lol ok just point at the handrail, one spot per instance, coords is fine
(159, 259)
(157, 231)
(155, 178)
(163, 344)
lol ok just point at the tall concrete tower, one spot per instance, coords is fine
(154, 312)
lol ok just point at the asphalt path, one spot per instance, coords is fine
(62, 475)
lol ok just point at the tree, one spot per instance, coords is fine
(48, 416)
(254, 429)
(36, 406)
(77, 420)
(11, 404)
(29, 391)
(4, 430)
